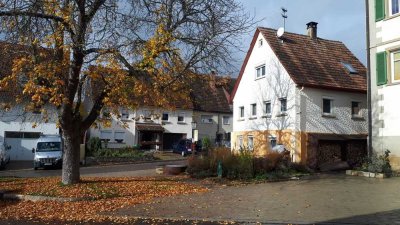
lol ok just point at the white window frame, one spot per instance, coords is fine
(241, 112)
(226, 120)
(124, 114)
(181, 114)
(116, 138)
(331, 106)
(280, 105)
(240, 141)
(253, 110)
(265, 108)
(207, 119)
(260, 68)
(250, 147)
(109, 135)
(391, 8)
(272, 141)
(392, 62)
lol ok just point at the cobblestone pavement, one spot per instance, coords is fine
(333, 199)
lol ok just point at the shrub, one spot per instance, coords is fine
(206, 143)
(199, 167)
(93, 146)
(127, 152)
(379, 164)
(243, 165)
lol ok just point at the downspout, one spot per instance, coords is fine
(369, 107)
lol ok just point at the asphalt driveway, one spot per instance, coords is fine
(25, 169)
(334, 199)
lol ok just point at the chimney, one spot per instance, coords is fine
(312, 30)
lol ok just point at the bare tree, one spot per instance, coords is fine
(134, 48)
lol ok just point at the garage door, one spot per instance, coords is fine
(21, 144)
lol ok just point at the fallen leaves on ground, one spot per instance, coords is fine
(99, 194)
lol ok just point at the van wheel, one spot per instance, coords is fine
(35, 168)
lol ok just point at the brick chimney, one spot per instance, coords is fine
(312, 30)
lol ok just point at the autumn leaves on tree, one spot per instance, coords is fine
(122, 53)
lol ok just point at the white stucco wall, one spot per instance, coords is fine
(276, 84)
(384, 37)
(18, 120)
(341, 122)
(210, 130)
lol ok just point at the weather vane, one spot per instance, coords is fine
(284, 11)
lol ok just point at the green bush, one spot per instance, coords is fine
(206, 143)
(93, 146)
(127, 152)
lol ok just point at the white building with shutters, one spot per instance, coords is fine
(384, 35)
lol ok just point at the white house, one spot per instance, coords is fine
(147, 127)
(304, 92)
(384, 45)
(208, 114)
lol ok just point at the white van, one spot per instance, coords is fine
(48, 151)
(4, 155)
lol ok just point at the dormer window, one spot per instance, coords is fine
(349, 68)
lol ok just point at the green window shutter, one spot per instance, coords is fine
(379, 10)
(381, 68)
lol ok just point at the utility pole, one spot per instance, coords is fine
(284, 16)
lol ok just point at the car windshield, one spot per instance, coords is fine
(48, 146)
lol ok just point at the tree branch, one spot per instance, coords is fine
(39, 15)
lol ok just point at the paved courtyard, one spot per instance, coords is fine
(334, 199)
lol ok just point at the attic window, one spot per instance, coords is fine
(260, 42)
(349, 68)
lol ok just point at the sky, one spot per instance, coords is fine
(340, 20)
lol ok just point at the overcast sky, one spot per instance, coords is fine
(341, 20)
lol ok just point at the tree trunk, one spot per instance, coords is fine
(70, 167)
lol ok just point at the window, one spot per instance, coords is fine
(355, 109)
(240, 141)
(394, 7)
(165, 117)
(105, 135)
(226, 120)
(181, 117)
(119, 136)
(349, 68)
(206, 119)
(250, 142)
(283, 102)
(241, 112)
(272, 142)
(260, 43)
(395, 59)
(260, 71)
(124, 114)
(253, 108)
(327, 106)
(147, 114)
(267, 108)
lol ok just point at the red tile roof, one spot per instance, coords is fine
(313, 63)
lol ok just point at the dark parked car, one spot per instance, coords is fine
(184, 147)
